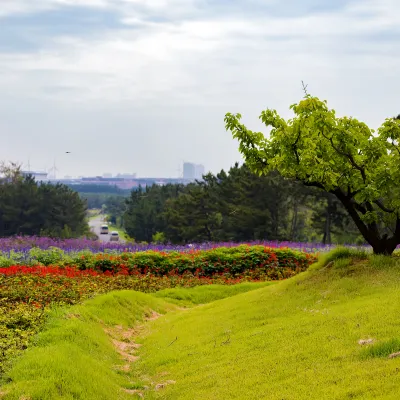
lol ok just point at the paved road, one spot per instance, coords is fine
(95, 226)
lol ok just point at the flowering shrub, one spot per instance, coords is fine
(254, 261)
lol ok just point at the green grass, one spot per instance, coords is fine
(121, 232)
(207, 294)
(73, 358)
(295, 339)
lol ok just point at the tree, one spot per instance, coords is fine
(143, 217)
(115, 207)
(30, 208)
(11, 171)
(340, 155)
(193, 216)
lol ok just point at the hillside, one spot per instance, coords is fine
(296, 339)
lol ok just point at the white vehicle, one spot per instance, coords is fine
(114, 236)
(104, 230)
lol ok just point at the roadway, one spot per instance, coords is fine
(95, 225)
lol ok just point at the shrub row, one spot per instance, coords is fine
(267, 262)
(259, 262)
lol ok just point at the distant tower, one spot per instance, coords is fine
(189, 171)
(199, 172)
(54, 170)
(193, 171)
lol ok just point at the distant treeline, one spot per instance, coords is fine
(30, 208)
(101, 189)
(233, 206)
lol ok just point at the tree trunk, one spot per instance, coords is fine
(381, 244)
(384, 246)
(327, 229)
(294, 221)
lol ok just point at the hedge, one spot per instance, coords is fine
(255, 260)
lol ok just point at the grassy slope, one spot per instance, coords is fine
(294, 340)
(206, 294)
(73, 358)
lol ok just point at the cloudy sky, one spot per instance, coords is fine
(143, 85)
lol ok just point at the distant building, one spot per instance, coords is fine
(199, 172)
(192, 171)
(189, 171)
(39, 176)
(126, 176)
(107, 175)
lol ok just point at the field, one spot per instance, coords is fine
(33, 280)
(324, 333)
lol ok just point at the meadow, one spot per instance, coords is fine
(330, 332)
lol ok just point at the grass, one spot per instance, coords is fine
(73, 358)
(121, 232)
(295, 339)
(206, 294)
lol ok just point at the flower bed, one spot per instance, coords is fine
(258, 262)
(23, 244)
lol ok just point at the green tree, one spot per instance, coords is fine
(342, 156)
(144, 217)
(115, 207)
(193, 216)
(30, 208)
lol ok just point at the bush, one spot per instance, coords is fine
(258, 262)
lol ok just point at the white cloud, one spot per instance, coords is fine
(193, 66)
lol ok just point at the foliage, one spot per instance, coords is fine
(30, 208)
(115, 208)
(338, 154)
(144, 215)
(237, 205)
(159, 238)
(96, 200)
(258, 262)
(89, 188)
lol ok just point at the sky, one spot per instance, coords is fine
(144, 85)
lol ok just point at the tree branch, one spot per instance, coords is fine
(383, 208)
(349, 156)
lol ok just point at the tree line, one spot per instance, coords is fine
(237, 205)
(30, 208)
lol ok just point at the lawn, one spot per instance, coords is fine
(297, 339)
(294, 339)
